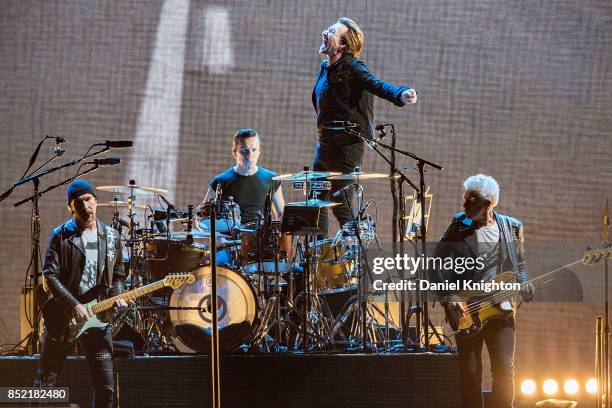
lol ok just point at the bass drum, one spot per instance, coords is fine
(190, 310)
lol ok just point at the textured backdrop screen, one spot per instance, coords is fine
(516, 89)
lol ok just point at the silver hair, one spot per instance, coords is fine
(484, 185)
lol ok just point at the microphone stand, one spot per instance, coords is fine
(421, 298)
(35, 221)
(214, 307)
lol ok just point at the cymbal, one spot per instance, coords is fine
(313, 202)
(121, 204)
(129, 189)
(358, 175)
(303, 175)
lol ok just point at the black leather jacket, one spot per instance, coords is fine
(65, 260)
(453, 244)
(343, 92)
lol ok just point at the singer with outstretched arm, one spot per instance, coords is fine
(343, 91)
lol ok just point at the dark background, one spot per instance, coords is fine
(516, 89)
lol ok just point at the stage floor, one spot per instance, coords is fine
(265, 380)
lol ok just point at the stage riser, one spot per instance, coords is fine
(408, 380)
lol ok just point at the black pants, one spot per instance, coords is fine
(499, 338)
(342, 159)
(98, 346)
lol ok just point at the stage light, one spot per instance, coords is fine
(571, 386)
(550, 387)
(591, 386)
(528, 387)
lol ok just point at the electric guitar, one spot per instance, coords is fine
(63, 327)
(481, 308)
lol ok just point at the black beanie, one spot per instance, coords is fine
(78, 187)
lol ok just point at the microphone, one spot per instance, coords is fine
(58, 150)
(118, 144)
(381, 126)
(170, 206)
(109, 161)
(367, 205)
(342, 191)
(123, 223)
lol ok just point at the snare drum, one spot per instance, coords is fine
(258, 248)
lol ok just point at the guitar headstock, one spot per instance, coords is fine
(176, 280)
(597, 255)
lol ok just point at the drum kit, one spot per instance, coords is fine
(274, 278)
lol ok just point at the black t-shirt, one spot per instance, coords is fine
(248, 191)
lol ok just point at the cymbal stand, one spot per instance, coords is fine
(315, 314)
(360, 312)
(271, 317)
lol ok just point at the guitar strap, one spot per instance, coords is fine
(111, 254)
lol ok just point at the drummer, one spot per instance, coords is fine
(246, 182)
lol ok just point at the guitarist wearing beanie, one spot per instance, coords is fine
(83, 261)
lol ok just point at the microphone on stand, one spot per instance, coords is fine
(116, 144)
(364, 210)
(343, 190)
(109, 161)
(58, 150)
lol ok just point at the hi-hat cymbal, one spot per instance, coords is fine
(358, 175)
(304, 175)
(121, 204)
(129, 189)
(313, 202)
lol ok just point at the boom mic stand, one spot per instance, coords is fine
(35, 235)
(214, 355)
(422, 309)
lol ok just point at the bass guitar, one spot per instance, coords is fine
(480, 309)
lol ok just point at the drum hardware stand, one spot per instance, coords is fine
(34, 177)
(421, 298)
(314, 313)
(214, 355)
(363, 325)
(602, 339)
(271, 318)
(272, 313)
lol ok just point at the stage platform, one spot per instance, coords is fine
(267, 380)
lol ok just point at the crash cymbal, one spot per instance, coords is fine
(129, 189)
(358, 175)
(304, 175)
(313, 202)
(121, 204)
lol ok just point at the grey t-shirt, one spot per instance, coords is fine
(485, 242)
(90, 271)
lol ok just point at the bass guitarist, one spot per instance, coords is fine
(497, 239)
(83, 260)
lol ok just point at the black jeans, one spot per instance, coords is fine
(344, 159)
(499, 338)
(98, 346)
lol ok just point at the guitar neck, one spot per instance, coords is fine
(549, 276)
(537, 281)
(131, 295)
